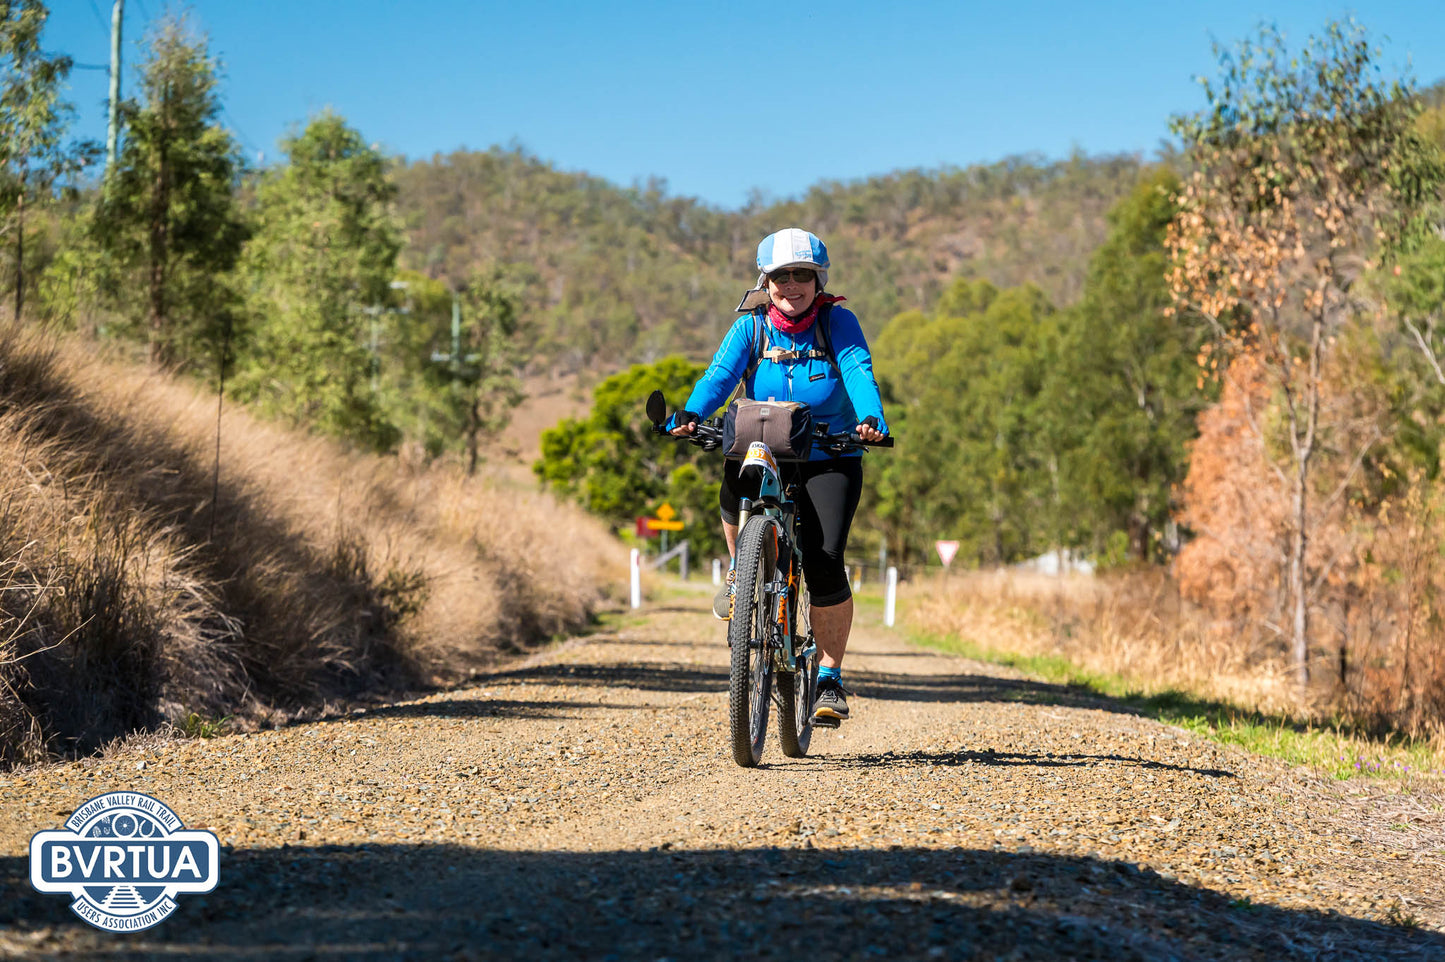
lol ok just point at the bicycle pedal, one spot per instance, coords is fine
(826, 721)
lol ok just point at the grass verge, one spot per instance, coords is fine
(1331, 748)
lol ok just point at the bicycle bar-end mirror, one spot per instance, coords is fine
(656, 408)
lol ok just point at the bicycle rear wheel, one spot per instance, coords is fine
(797, 690)
(750, 679)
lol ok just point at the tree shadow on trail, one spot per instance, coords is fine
(483, 708)
(443, 901)
(643, 676)
(661, 676)
(990, 757)
(901, 686)
(884, 686)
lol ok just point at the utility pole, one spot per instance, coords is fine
(456, 359)
(112, 132)
(456, 336)
(460, 371)
(374, 345)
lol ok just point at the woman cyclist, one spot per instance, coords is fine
(832, 372)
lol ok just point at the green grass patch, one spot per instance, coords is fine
(197, 725)
(1333, 748)
(868, 601)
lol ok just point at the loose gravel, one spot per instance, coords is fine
(583, 805)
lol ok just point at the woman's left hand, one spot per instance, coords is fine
(868, 432)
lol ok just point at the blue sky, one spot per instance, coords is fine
(723, 98)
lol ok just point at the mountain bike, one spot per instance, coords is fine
(769, 633)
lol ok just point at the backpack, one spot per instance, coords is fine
(762, 349)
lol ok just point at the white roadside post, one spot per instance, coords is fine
(716, 571)
(891, 599)
(636, 565)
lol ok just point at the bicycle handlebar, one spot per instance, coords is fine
(844, 441)
(708, 435)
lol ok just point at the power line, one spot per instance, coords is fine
(250, 145)
(105, 27)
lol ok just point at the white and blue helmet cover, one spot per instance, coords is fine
(791, 247)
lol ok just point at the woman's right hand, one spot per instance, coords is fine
(686, 425)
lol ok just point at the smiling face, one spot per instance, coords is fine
(791, 296)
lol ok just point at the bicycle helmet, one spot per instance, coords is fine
(792, 247)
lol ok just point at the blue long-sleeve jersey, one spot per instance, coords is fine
(842, 403)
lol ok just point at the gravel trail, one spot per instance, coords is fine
(583, 805)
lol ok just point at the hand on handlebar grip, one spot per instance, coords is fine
(868, 430)
(686, 424)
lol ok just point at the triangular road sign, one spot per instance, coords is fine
(946, 551)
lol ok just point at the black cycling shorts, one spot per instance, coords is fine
(827, 497)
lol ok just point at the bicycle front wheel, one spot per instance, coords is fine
(750, 680)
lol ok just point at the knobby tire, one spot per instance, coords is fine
(750, 677)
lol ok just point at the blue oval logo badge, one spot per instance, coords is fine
(123, 858)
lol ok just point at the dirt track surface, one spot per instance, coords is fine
(584, 805)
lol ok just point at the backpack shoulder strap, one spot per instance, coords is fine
(759, 345)
(824, 338)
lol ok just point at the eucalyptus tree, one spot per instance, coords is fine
(1126, 389)
(316, 272)
(33, 121)
(168, 223)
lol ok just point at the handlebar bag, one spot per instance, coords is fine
(786, 427)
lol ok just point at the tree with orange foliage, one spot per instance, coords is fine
(1232, 565)
(1292, 192)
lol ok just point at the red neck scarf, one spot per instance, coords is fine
(799, 324)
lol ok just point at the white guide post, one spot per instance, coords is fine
(635, 562)
(891, 600)
(716, 571)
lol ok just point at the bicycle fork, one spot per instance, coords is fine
(785, 595)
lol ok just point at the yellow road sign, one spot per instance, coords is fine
(657, 524)
(666, 513)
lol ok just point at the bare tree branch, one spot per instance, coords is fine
(1426, 349)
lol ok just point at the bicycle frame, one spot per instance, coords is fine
(777, 504)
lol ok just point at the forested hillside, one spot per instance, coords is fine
(630, 274)
(1227, 361)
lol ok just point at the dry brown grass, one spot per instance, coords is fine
(1134, 627)
(129, 597)
(1131, 636)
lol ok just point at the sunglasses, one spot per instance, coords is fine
(800, 275)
